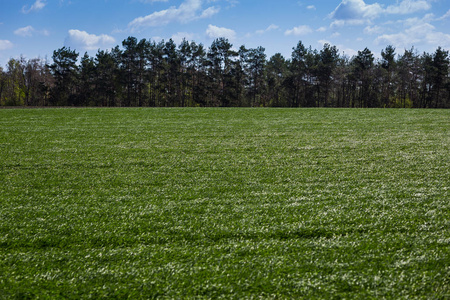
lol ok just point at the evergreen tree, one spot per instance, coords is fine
(134, 62)
(363, 64)
(388, 64)
(106, 80)
(147, 73)
(172, 66)
(155, 73)
(297, 81)
(408, 79)
(328, 59)
(185, 55)
(65, 73)
(277, 71)
(198, 67)
(256, 61)
(221, 56)
(440, 74)
(86, 94)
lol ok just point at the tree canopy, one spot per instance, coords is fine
(164, 74)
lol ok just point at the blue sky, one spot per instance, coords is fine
(34, 28)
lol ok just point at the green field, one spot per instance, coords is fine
(232, 203)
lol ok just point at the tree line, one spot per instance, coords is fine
(164, 74)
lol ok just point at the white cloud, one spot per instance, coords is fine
(340, 23)
(269, 28)
(179, 36)
(65, 2)
(300, 30)
(25, 31)
(429, 18)
(321, 29)
(408, 7)
(218, 32)
(410, 22)
(344, 50)
(81, 39)
(209, 12)
(416, 34)
(416, 21)
(188, 11)
(157, 39)
(357, 12)
(231, 3)
(336, 34)
(28, 31)
(446, 16)
(272, 27)
(37, 6)
(311, 7)
(347, 51)
(323, 42)
(369, 30)
(5, 44)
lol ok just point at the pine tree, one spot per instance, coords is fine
(65, 72)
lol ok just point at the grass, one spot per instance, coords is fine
(224, 203)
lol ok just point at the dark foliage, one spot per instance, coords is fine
(147, 73)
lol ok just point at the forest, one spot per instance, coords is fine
(164, 74)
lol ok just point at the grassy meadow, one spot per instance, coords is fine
(224, 203)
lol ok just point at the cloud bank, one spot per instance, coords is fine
(5, 44)
(78, 39)
(29, 31)
(418, 33)
(300, 30)
(357, 12)
(37, 6)
(218, 32)
(188, 11)
(269, 28)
